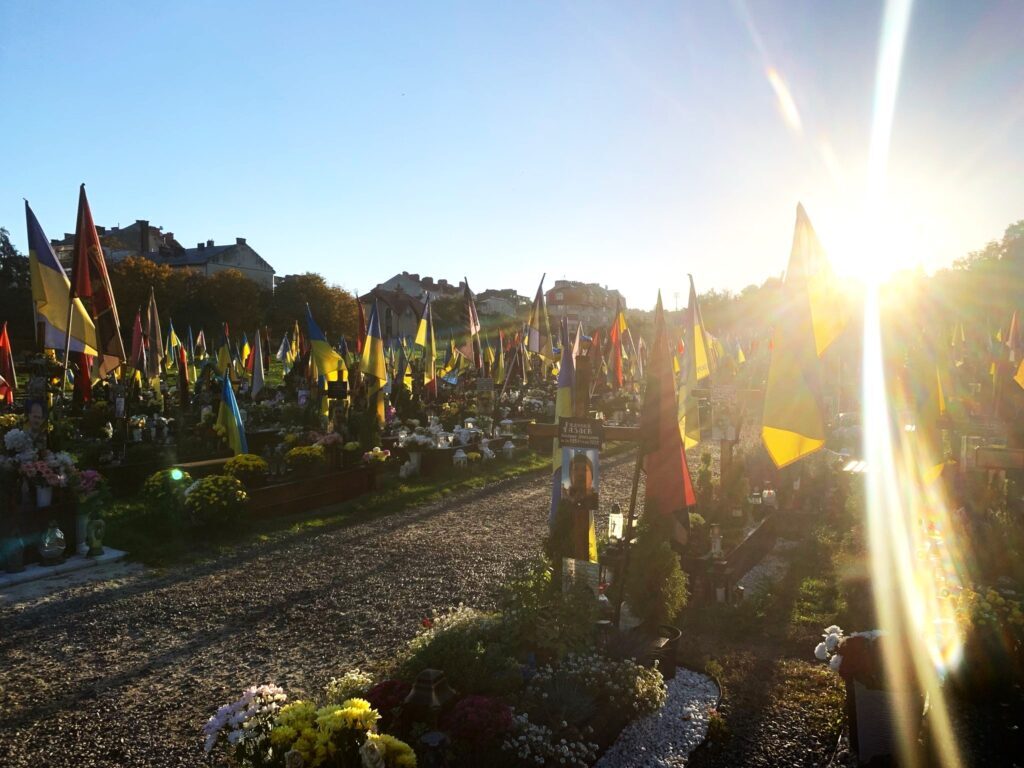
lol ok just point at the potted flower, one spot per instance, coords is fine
(656, 587)
(215, 500)
(416, 443)
(137, 424)
(350, 453)
(249, 468)
(377, 456)
(305, 460)
(332, 443)
(872, 709)
(44, 478)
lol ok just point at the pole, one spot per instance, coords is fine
(627, 537)
(67, 340)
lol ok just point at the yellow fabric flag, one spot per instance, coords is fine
(793, 425)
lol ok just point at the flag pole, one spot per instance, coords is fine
(67, 340)
(627, 536)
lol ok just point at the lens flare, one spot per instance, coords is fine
(914, 558)
(786, 103)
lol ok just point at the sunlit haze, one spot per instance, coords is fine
(614, 143)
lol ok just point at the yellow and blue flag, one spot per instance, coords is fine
(50, 291)
(373, 365)
(229, 417)
(327, 360)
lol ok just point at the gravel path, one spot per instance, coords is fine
(124, 673)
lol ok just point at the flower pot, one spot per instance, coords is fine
(666, 654)
(874, 719)
(44, 496)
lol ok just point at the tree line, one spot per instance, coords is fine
(189, 298)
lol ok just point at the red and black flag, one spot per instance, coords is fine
(90, 283)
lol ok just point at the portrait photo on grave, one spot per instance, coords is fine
(580, 477)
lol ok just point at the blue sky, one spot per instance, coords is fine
(621, 143)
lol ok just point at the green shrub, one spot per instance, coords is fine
(164, 495)
(541, 618)
(214, 501)
(247, 467)
(655, 584)
(468, 645)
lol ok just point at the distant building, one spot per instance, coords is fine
(504, 303)
(412, 285)
(142, 239)
(399, 313)
(589, 303)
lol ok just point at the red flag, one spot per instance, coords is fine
(615, 343)
(89, 281)
(83, 381)
(8, 382)
(668, 489)
(361, 336)
(138, 360)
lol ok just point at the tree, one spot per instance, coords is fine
(15, 292)
(334, 308)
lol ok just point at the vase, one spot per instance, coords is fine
(44, 496)
(14, 561)
(52, 545)
(94, 535)
(136, 435)
(81, 531)
(416, 459)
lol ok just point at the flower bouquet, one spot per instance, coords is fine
(44, 478)
(376, 456)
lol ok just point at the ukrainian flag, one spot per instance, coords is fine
(373, 350)
(326, 359)
(229, 418)
(50, 291)
(373, 364)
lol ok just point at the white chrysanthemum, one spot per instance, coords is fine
(821, 652)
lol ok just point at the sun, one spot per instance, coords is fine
(870, 243)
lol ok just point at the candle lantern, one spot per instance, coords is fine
(716, 540)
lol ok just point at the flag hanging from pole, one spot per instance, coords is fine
(154, 342)
(615, 339)
(668, 490)
(425, 339)
(51, 290)
(809, 320)
(373, 365)
(471, 348)
(90, 283)
(8, 379)
(230, 418)
(257, 365)
(538, 333)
